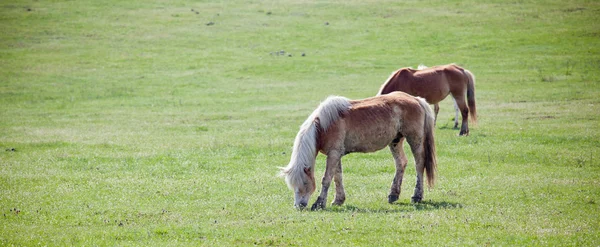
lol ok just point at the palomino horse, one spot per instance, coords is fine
(434, 84)
(340, 126)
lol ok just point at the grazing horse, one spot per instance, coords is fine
(340, 126)
(434, 84)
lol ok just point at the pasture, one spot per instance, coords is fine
(164, 123)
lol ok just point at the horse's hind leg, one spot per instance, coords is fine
(400, 159)
(340, 194)
(333, 158)
(464, 111)
(416, 146)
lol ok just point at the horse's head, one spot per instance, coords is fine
(302, 182)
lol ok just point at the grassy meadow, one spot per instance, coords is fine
(163, 123)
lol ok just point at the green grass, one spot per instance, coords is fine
(146, 123)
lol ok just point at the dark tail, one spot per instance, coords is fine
(429, 143)
(471, 95)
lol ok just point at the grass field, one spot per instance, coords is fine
(163, 123)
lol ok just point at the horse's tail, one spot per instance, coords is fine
(305, 144)
(471, 95)
(428, 143)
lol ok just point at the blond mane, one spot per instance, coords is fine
(305, 144)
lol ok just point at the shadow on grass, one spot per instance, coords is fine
(398, 207)
(447, 127)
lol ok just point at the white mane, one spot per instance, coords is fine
(305, 144)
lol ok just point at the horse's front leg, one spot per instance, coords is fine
(455, 113)
(340, 194)
(400, 159)
(333, 158)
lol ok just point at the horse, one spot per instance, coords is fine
(434, 84)
(340, 126)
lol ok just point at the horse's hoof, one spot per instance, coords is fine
(318, 205)
(337, 202)
(392, 198)
(416, 199)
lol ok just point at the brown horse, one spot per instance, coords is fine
(434, 84)
(340, 126)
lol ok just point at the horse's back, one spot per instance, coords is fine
(433, 84)
(430, 83)
(454, 75)
(440, 74)
(373, 123)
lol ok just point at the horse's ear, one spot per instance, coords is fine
(317, 122)
(307, 170)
